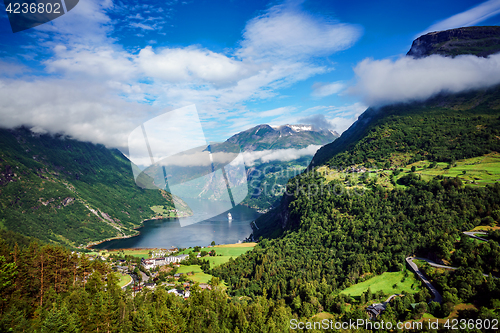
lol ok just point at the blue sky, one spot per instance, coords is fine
(107, 66)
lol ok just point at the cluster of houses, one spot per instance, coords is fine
(375, 310)
(183, 292)
(155, 262)
(162, 252)
(159, 258)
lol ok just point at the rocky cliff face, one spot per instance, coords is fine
(480, 41)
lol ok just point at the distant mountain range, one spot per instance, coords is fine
(267, 177)
(266, 137)
(65, 191)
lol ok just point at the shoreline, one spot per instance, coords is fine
(90, 245)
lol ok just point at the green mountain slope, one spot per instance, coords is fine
(363, 207)
(70, 192)
(267, 179)
(445, 128)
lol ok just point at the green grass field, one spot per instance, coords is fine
(159, 210)
(233, 251)
(227, 251)
(198, 275)
(190, 268)
(385, 282)
(201, 278)
(216, 261)
(124, 279)
(478, 170)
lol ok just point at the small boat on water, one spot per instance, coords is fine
(229, 217)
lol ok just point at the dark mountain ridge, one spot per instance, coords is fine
(479, 41)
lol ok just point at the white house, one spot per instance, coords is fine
(151, 263)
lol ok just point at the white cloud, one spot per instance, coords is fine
(323, 90)
(94, 84)
(102, 62)
(12, 68)
(470, 17)
(192, 64)
(275, 112)
(318, 121)
(282, 155)
(407, 79)
(284, 32)
(141, 26)
(343, 117)
(84, 112)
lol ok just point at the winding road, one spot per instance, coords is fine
(437, 296)
(131, 280)
(474, 233)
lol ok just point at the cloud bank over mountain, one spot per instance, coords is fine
(406, 79)
(90, 87)
(282, 155)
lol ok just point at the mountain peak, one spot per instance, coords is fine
(295, 128)
(298, 136)
(302, 128)
(479, 41)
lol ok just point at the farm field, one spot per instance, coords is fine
(198, 275)
(227, 251)
(124, 279)
(477, 170)
(161, 211)
(385, 283)
(250, 244)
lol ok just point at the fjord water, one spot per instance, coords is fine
(167, 233)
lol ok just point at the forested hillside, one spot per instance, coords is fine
(69, 192)
(47, 288)
(444, 128)
(363, 207)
